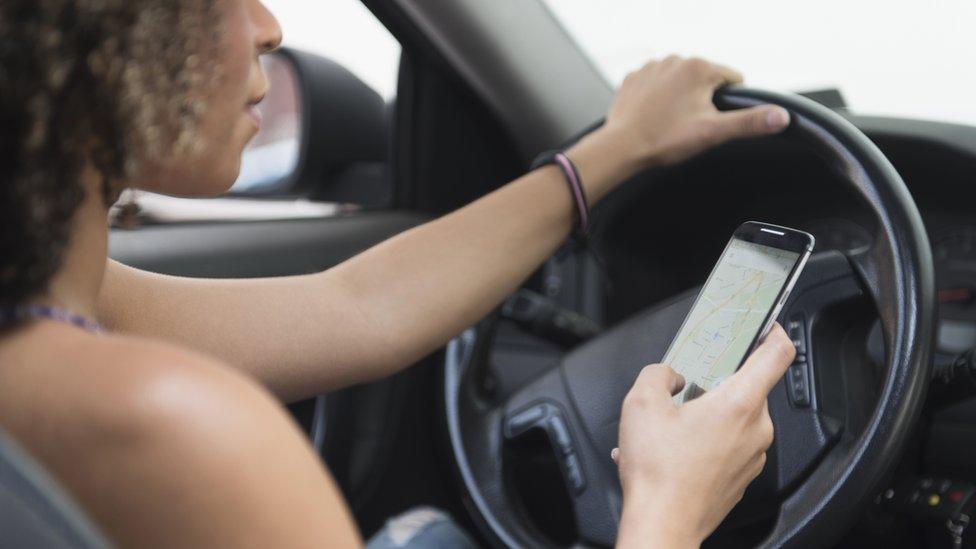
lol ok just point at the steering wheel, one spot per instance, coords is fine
(841, 418)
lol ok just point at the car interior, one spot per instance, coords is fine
(509, 427)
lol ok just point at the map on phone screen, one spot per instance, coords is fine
(728, 314)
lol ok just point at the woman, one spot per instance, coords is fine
(165, 427)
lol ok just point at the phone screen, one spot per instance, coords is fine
(728, 314)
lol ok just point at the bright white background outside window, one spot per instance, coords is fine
(342, 30)
(346, 32)
(892, 57)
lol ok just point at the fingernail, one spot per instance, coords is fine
(777, 118)
(614, 454)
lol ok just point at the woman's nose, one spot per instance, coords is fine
(269, 35)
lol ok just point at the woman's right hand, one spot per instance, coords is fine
(665, 112)
(684, 467)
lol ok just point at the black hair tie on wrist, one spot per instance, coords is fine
(581, 231)
(580, 237)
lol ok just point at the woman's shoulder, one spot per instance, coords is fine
(129, 424)
(52, 345)
(118, 384)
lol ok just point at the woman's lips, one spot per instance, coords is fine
(254, 113)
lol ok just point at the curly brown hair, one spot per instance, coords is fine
(88, 84)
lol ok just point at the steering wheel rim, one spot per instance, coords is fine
(898, 274)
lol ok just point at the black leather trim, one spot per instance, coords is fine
(256, 248)
(899, 268)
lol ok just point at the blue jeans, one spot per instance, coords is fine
(424, 527)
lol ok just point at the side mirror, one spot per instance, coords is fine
(324, 136)
(270, 161)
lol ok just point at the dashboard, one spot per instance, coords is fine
(953, 241)
(954, 254)
(662, 233)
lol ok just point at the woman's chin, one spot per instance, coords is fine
(184, 182)
(213, 188)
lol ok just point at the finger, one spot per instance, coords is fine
(764, 413)
(671, 59)
(650, 65)
(663, 378)
(660, 379)
(726, 75)
(765, 366)
(615, 455)
(766, 430)
(751, 122)
(758, 465)
(678, 383)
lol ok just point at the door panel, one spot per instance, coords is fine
(255, 249)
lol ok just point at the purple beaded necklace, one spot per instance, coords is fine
(39, 312)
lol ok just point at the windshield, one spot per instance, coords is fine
(887, 57)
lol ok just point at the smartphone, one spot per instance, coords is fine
(738, 304)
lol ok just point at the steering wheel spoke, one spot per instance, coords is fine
(544, 409)
(802, 405)
(494, 437)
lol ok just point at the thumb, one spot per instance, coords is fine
(659, 381)
(752, 122)
(767, 364)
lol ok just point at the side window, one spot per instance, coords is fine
(324, 137)
(274, 153)
(343, 32)
(346, 32)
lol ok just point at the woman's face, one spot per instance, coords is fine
(247, 30)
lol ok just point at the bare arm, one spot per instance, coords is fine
(386, 308)
(375, 313)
